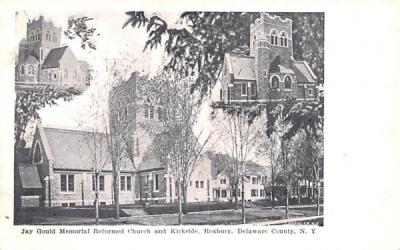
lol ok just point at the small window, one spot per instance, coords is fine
(223, 193)
(274, 38)
(253, 180)
(55, 76)
(284, 39)
(310, 92)
(156, 182)
(197, 184)
(201, 184)
(64, 204)
(122, 184)
(254, 192)
(22, 70)
(152, 113)
(146, 112)
(223, 181)
(253, 89)
(66, 73)
(288, 82)
(244, 89)
(275, 82)
(128, 183)
(102, 202)
(67, 183)
(72, 204)
(101, 183)
(31, 70)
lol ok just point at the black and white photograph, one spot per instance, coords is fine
(169, 118)
(199, 124)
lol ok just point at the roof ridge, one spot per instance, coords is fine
(69, 130)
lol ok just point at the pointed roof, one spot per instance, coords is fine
(69, 150)
(29, 175)
(53, 58)
(303, 72)
(242, 67)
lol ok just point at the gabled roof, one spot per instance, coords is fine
(221, 163)
(242, 67)
(53, 58)
(70, 151)
(29, 176)
(31, 59)
(303, 72)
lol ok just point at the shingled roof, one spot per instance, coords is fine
(29, 176)
(70, 152)
(53, 58)
(242, 67)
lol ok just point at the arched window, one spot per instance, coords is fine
(37, 153)
(274, 37)
(288, 82)
(22, 70)
(66, 73)
(274, 82)
(284, 39)
(31, 70)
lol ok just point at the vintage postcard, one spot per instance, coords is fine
(164, 123)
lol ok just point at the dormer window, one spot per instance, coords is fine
(284, 39)
(275, 82)
(288, 82)
(274, 38)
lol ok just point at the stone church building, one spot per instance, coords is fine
(270, 72)
(43, 61)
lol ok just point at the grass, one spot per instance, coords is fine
(190, 207)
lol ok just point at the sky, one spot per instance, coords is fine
(112, 42)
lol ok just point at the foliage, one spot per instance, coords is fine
(200, 44)
(78, 27)
(29, 102)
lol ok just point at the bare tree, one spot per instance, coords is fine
(180, 148)
(240, 124)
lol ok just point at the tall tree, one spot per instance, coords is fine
(239, 124)
(180, 148)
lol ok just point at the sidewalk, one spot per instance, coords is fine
(230, 216)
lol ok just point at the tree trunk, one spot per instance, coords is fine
(179, 203)
(273, 195)
(318, 196)
(96, 199)
(116, 195)
(299, 195)
(236, 197)
(184, 194)
(287, 203)
(243, 203)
